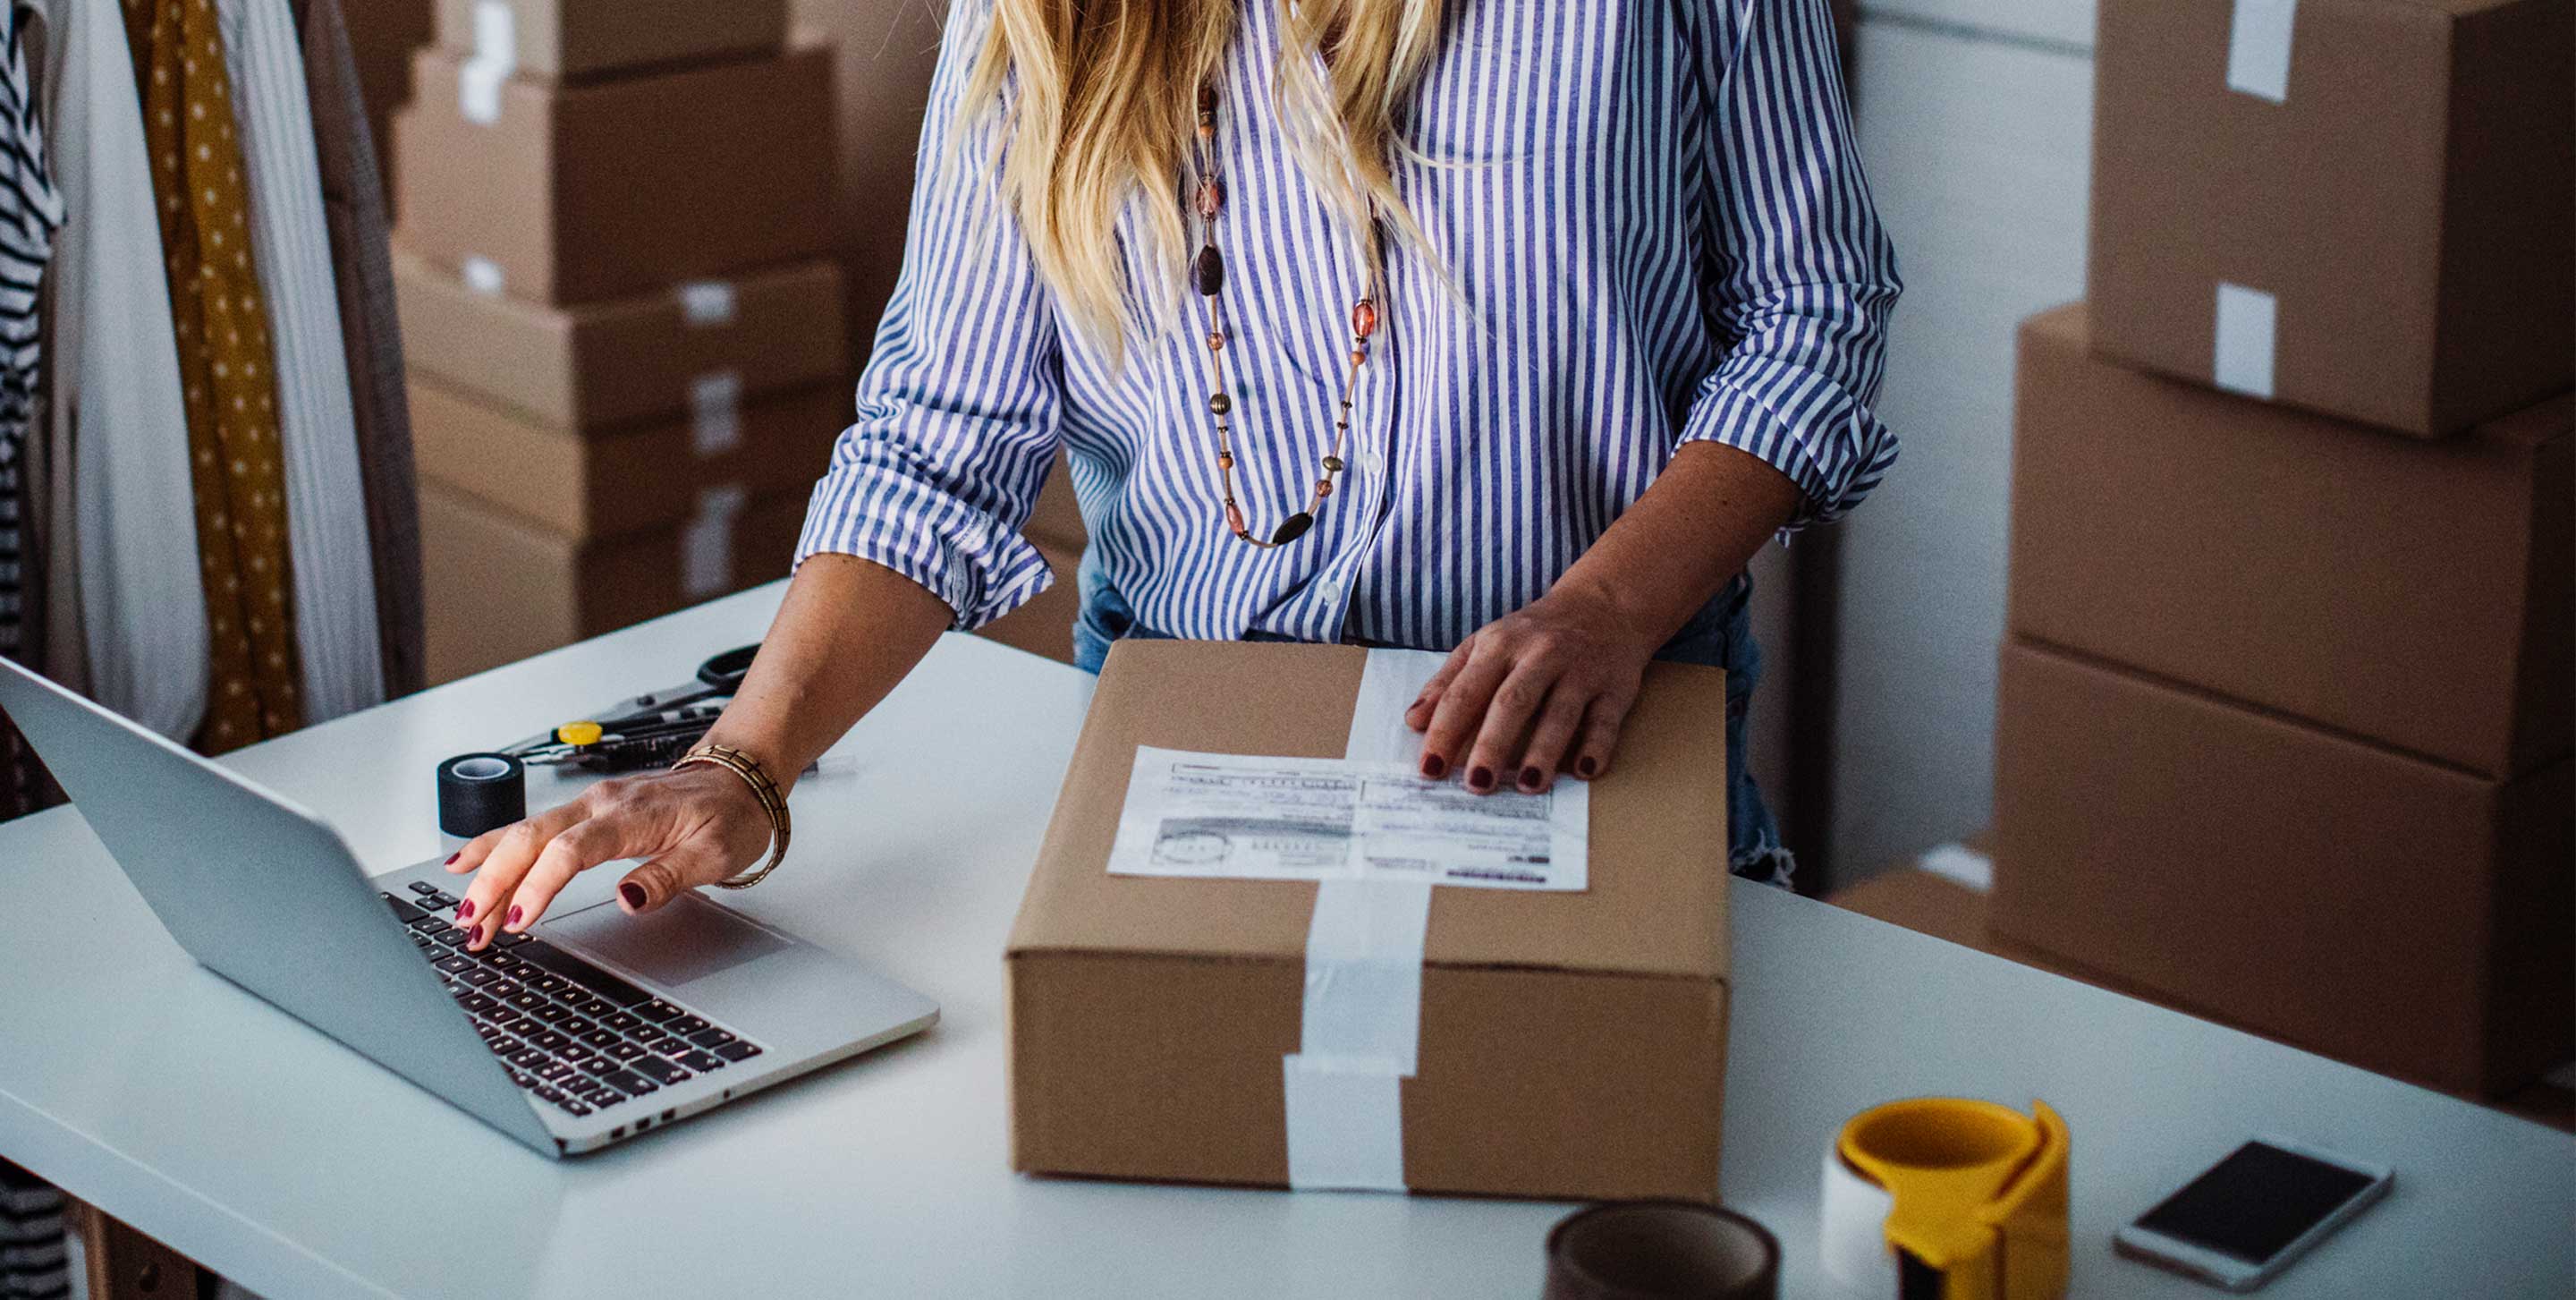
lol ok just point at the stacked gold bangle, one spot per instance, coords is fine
(771, 801)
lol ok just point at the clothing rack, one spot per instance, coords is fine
(231, 142)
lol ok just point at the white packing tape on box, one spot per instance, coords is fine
(2258, 48)
(706, 542)
(1361, 1025)
(1361, 1031)
(1962, 865)
(715, 413)
(484, 276)
(2248, 322)
(706, 302)
(495, 57)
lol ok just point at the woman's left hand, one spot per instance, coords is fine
(1533, 693)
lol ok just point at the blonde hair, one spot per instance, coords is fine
(1104, 104)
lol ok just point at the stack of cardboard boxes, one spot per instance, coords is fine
(628, 354)
(2284, 727)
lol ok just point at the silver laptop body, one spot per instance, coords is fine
(594, 1004)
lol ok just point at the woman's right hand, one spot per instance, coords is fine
(694, 826)
(848, 630)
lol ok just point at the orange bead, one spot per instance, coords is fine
(1323, 487)
(1358, 356)
(1363, 318)
(1215, 340)
(1234, 520)
(1211, 198)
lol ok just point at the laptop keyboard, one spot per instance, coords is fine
(576, 1036)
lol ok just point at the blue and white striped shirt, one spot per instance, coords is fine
(1665, 235)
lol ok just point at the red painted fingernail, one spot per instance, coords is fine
(1588, 766)
(1434, 766)
(452, 857)
(465, 911)
(1530, 778)
(1481, 778)
(513, 917)
(633, 893)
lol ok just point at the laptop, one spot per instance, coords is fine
(591, 1029)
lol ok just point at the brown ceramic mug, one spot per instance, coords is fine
(1661, 1250)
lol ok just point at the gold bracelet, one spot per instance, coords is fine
(762, 788)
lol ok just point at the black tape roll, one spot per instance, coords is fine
(480, 792)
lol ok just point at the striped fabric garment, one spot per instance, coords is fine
(35, 1253)
(1657, 220)
(30, 212)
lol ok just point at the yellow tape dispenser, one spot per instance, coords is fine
(1945, 1198)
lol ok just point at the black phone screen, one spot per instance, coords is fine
(2255, 1202)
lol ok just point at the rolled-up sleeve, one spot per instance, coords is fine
(1803, 276)
(958, 405)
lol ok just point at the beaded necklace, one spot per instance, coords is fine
(1207, 275)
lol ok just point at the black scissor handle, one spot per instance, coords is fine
(725, 672)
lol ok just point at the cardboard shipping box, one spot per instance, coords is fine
(2419, 594)
(583, 192)
(604, 483)
(2386, 185)
(1056, 520)
(2369, 905)
(1044, 626)
(1941, 906)
(579, 38)
(501, 588)
(1571, 1044)
(887, 51)
(655, 355)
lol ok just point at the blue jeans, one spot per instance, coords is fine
(1720, 635)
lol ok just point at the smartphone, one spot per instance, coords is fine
(2248, 1216)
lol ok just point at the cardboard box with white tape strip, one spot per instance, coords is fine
(1566, 1044)
(2357, 901)
(608, 482)
(651, 356)
(576, 193)
(581, 38)
(500, 588)
(2361, 207)
(2419, 594)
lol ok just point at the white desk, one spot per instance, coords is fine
(184, 1106)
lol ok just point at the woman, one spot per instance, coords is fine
(1500, 325)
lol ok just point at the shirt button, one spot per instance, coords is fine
(1372, 462)
(1330, 590)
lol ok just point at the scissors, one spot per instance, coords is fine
(646, 731)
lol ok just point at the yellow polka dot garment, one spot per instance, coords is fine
(225, 365)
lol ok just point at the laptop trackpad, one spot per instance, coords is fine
(685, 941)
